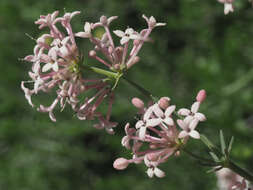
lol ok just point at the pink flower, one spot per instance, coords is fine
(127, 35)
(228, 6)
(56, 66)
(155, 137)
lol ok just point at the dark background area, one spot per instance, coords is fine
(199, 48)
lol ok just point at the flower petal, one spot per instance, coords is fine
(159, 173)
(200, 116)
(124, 40)
(182, 124)
(170, 110)
(183, 134)
(184, 112)
(153, 122)
(150, 172)
(55, 67)
(129, 31)
(139, 124)
(148, 113)
(195, 107)
(142, 132)
(193, 124)
(46, 67)
(194, 134)
(119, 33)
(169, 121)
(157, 111)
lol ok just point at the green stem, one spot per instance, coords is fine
(196, 156)
(140, 88)
(237, 169)
(102, 71)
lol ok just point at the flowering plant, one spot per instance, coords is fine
(59, 65)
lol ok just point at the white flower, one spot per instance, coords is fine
(52, 53)
(87, 31)
(188, 125)
(147, 122)
(193, 112)
(155, 171)
(228, 7)
(152, 22)
(127, 35)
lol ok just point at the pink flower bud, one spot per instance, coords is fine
(136, 42)
(110, 49)
(117, 66)
(164, 102)
(92, 53)
(153, 156)
(201, 96)
(120, 163)
(138, 103)
(103, 20)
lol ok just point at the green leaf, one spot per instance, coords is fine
(230, 144)
(222, 141)
(215, 158)
(207, 142)
(214, 169)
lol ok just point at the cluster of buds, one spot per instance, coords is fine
(228, 6)
(226, 179)
(58, 64)
(156, 137)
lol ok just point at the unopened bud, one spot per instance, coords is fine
(120, 163)
(152, 22)
(177, 153)
(110, 49)
(153, 156)
(92, 53)
(136, 42)
(117, 66)
(201, 96)
(164, 102)
(103, 20)
(138, 103)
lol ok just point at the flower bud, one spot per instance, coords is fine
(103, 20)
(120, 163)
(152, 22)
(201, 96)
(138, 103)
(92, 53)
(152, 156)
(110, 49)
(164, 102)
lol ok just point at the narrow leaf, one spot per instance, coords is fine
(215, 158)
(207, 142)
(222, 141)
(214, 169)
(230, 145)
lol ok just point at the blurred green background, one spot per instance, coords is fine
(198, 48)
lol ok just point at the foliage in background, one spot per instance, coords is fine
(199, 48)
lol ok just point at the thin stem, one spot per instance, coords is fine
(237, 169)
(101, 71)
(196, 156)
(140, 88)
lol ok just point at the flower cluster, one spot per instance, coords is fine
(157, 130)
(57, 65)
(230, 180)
